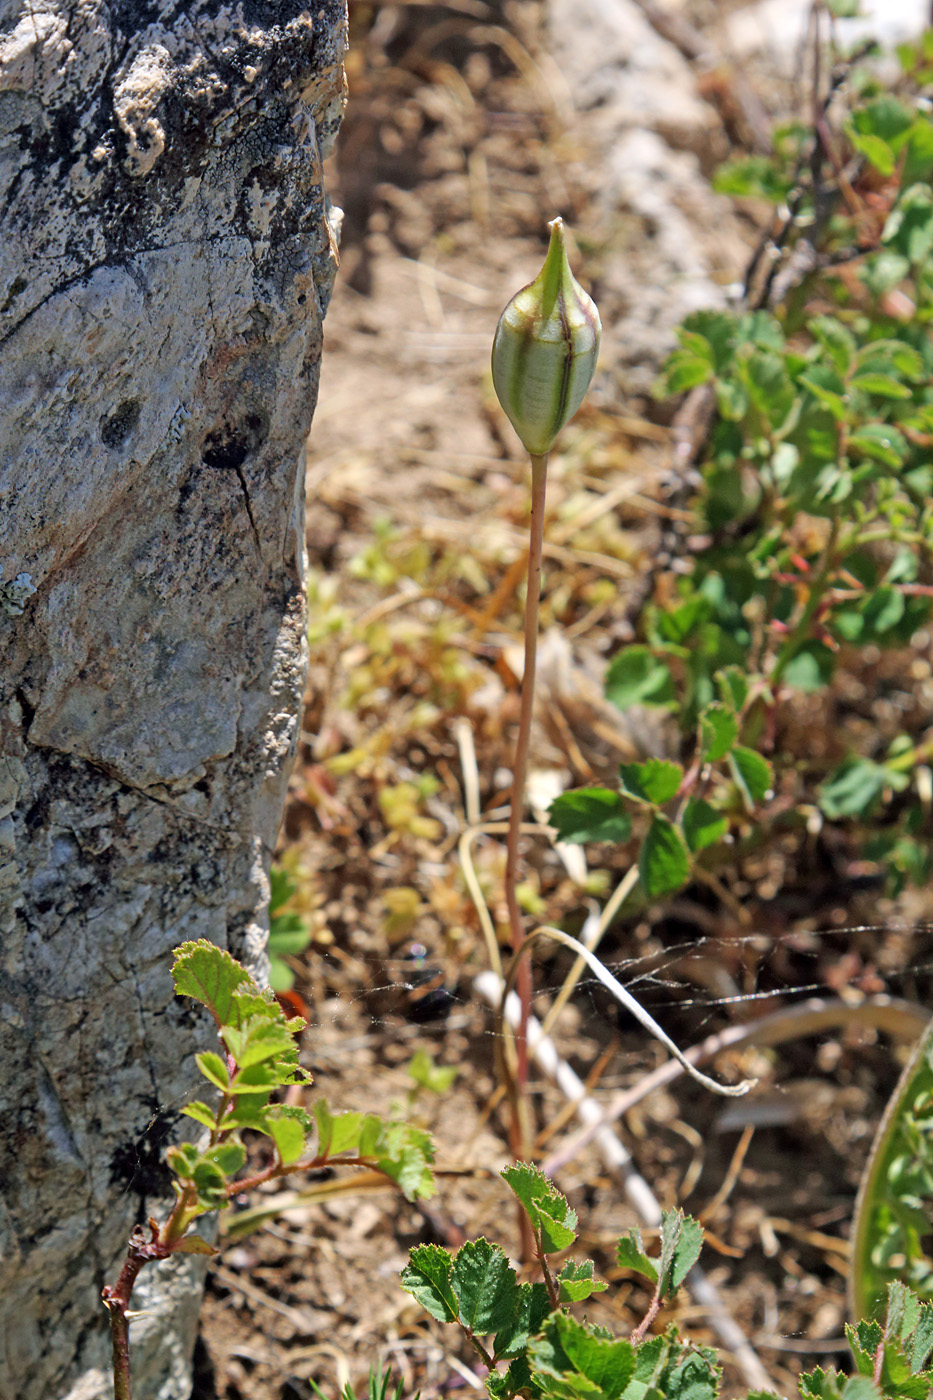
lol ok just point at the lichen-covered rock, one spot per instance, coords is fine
(166, 259)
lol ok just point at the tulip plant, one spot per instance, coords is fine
(543, 359)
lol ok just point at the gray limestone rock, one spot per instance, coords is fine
(166, 259)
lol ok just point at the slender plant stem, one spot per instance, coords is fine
(818, 588)
(519, 770)
(553, 1292)
(653, 1309)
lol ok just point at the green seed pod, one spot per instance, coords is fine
(544, 351)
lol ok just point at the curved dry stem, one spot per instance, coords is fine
(626, 999)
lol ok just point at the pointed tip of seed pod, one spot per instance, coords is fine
(545, 348)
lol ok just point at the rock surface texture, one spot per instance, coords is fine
(165, 264)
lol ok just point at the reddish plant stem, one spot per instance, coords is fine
(654, 1308)
(117, 1301)
(519, 770)
(553, 1292)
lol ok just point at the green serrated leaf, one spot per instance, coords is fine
(206, 973)
(372, 1132)
(828, 389)
(590, 814)
(577, 1281)
(887, 356)
(552, 1219)
(182, 1158)
(200, 1113)
(636, 677)
(250, 1111)
(630, 1254)
(663, 861)
(733, 687)
(257, 1040)
(731, 400)
(210, 1182)
(769, 386)
(290, 1136)
(650, 1356)
(655, 781)
(920, 1342)
(324, 1121)
(719, 729)
(688, 1373)
(344, 1130)
(909, 229)
(681, 1242)
(427, 1277)
(811, 668)
(702, 825)
(401, 1152)
(683, 371)
(515, 1381)
(257, 1079)
(229, 1155)
(582, 1362)
(485, 1287)
(903, 1310)
(281, 888)
(214, 1069)
(533, 1307)
(752, 774)
(876, 150)
(289, 934)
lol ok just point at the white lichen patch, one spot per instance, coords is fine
(135, 101)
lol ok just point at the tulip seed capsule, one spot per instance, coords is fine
(545, 348)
